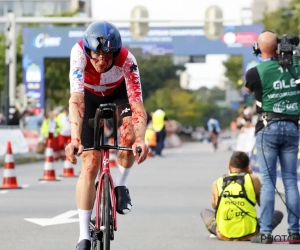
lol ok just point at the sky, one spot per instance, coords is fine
(207, 74)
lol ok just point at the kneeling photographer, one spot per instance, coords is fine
(277, 94)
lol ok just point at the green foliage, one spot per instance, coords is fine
(19, 76)
(234, 70)
(2, 62)
(283, 20)
(209, 95)
(185, 107)
(57, 85)
(155, 71)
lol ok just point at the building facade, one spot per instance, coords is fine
(261, 6)
(43, 8)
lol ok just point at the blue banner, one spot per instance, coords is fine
(33, 78)
(56, 42)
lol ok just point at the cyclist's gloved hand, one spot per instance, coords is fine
(74, 145)
(143, 155)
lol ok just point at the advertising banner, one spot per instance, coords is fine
(57, 42)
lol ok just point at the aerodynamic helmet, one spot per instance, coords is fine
(102, 36)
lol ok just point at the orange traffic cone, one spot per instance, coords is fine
(9, 173)
(49, 172)
(68, 169)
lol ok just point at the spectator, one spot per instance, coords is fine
(50, 130)
(64, 136)
(150, 139)
(234, 197)
(158, 123)
(32, 120)
(14, 118)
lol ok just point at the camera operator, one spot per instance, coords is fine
(277, 102)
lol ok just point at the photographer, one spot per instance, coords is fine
(277, 102)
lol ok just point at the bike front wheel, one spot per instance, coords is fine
(106, 215)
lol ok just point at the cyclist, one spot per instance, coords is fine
(214, 130)
(102, 71)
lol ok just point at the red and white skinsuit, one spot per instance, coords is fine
(84, 76)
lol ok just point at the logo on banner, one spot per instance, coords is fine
(33, 73)
(239, 39)
(45, 40)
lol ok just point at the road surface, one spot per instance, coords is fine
(167, 193)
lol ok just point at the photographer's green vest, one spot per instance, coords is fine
(280, 93)
(235, 212)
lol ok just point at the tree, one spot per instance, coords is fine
(154, 71)
(285, 20)
(209, 95)
(57, 84)
(2, 63)
(234, 70)
(180, 105)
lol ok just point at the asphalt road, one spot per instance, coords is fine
(167, 193)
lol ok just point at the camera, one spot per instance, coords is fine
(287, 50)
(288, 53)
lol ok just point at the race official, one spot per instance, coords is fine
(277, 103)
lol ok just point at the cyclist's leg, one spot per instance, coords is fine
(125, 158)
(216, 140)
(85, 191)
(125, 162)
(85, 188)
(212, 138)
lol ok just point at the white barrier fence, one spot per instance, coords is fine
(17, 139)
(23, 141)
(246, 140)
